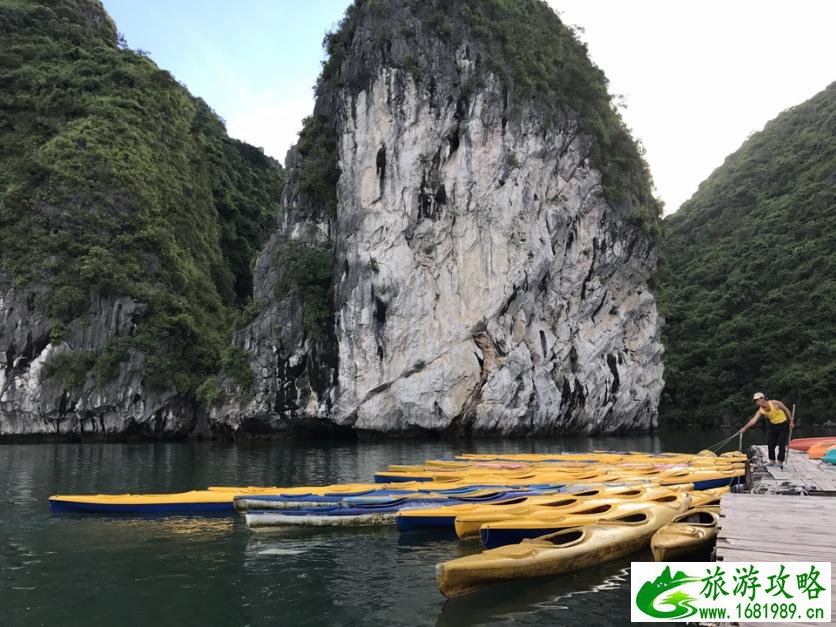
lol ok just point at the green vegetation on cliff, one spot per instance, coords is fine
(309, 270)
(115, 180)
(541, 58)
(525, 45)
(748, 287)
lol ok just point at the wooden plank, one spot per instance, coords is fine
(781, 512)
(775, 528)
(799, 470)
(726, 547)
(797, 556)
(770, 532)
(802, 521)
(788, 548)
(778, 513)
(768, 502)
(758, 555)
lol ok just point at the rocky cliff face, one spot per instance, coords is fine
(294, 369)
(35, 403)
(482, 281)
(462, 244)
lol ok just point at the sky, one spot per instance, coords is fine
(697, 76)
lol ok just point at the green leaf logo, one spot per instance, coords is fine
(678, 600)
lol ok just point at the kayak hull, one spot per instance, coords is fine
(89, 506)
(817, 451)
(720, 482)
(804, 444)
(567, 550)
(500, 534)
(416, 523)
(692, 532)
(322, 517)
(210, 501)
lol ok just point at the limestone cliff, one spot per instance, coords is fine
(462, 245)
(489, 235)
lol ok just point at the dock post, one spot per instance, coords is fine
(740, 442)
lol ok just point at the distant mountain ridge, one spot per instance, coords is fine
(748, 280)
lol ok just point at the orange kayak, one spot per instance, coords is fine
(804, 444)
(817, 451)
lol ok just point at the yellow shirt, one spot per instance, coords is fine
(774, 414)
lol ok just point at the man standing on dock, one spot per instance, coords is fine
(779, 419)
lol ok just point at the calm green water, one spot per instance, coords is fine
(109, 570)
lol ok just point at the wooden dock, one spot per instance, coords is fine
(800, 475)
(778, 528)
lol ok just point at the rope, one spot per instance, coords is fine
(711, 448)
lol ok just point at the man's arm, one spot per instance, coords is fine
(751, 422)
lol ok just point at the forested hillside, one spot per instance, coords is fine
(748, 283)
(116, 183)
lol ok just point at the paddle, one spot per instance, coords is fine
(789, 435)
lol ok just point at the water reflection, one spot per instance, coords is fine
(526, 602)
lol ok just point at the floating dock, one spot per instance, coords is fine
(800, 475)
(784, 518)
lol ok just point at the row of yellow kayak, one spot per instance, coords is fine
(536, 514)
(530, 471)
(673, 524)
(587, 466)
(549, 535)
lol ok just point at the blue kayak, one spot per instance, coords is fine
(718, 483)
(382, 498)
(356, 515)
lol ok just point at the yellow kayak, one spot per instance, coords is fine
(469, 524)
(195, 501)
(564, 551)
(444, 517)
(707, 498)
(690, 532)
(213, 499)
(486, 475)
(545, 521)
(703, 478)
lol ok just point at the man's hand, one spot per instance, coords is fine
(743, 430)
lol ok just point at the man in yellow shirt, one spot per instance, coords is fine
(779, 420)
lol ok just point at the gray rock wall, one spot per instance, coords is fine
(481, 282)
(34, 404)
(485, 284)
